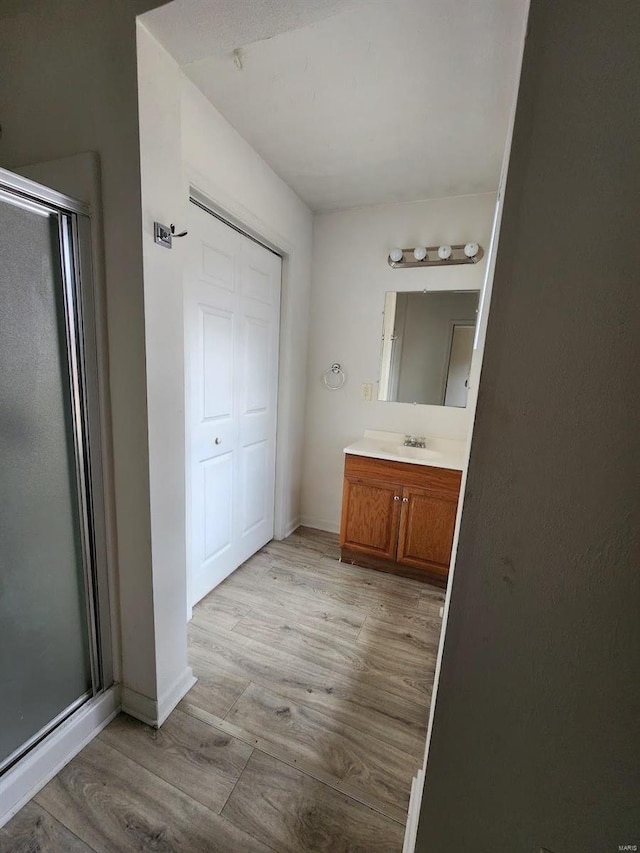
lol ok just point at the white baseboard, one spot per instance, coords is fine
(181, 686)
(153, 712)
(320, 524)
(138, 705)
(40, 765)
(290, 527)
(415, 801)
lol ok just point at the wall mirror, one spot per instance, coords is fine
(427, 344)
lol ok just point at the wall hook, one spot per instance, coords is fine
(163, 235)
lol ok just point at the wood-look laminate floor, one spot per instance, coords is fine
(302, 734)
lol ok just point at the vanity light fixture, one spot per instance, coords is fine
(435, 256)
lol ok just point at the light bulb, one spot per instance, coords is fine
(396, 255)
(420, 253)
(444, 253)
(471, 250)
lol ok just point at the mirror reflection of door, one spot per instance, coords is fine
(385, 386)
(397, 342)
(460, 352)
(427, 346)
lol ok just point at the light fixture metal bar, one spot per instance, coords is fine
(457, 257)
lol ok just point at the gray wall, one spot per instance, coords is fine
(68, 84)
(537, 722)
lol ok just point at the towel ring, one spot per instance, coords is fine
(334, 378)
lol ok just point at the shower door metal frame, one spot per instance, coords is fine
(79, 300)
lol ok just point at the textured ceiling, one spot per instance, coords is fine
(358, 101)
(197, 29)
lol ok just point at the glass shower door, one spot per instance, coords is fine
(48, 654)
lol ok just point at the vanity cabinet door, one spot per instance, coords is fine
(427, 523)
(370, 515)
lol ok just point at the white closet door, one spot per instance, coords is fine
(257, 389)
(232, 332)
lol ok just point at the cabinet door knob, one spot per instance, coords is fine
(218, 440)
(396, 497)
(405, 500)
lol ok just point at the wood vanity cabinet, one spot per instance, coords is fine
(399, 517)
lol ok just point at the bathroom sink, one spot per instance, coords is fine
(412, 452)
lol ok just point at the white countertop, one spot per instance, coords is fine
(439, 452)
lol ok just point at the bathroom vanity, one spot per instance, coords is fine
(399, 505)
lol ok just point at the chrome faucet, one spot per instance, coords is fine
(415, 441)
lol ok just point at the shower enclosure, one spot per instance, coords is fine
(54, 649)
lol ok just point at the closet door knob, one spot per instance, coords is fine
(218, 440)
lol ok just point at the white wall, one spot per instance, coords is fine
(350, 278)
(160, 92)
(68, 85)
(184, 139)
(535, 738)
